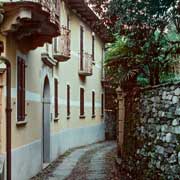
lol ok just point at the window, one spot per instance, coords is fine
(68, 100)
(68, 22)
(21, 89)
(93, 40)
(81, 102)
(56, 45)
(102, 105)
(81, 47)
(56, 112)
(102, 63)
(93, 104)
(47, 47)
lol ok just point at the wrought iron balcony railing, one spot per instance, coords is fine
(31, 22)
(61, 45)
(85, 65)
(47, 58)
(50, 6)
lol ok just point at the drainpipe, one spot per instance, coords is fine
(8, 115)
(8, 103)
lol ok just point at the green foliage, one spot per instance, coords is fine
(168, 77)
(142, 81)
(153, 13)
(117, 48)
(147, 42)
(118, 65)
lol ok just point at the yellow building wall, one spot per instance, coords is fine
(2, 102)
(67, 73)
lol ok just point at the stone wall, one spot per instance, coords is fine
(110, 125)
(152, 131)
(110, 114)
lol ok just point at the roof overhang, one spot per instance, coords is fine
(82, 9)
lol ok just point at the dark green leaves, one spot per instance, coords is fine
(148, 41)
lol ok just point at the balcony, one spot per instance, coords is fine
(32, 22)
(47, 57)
(83, 10)
(61, 46)
(85, 65)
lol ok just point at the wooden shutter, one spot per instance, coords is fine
(81, 47)
(21, 67)
(93, 40)
(56, 113)
(68, 100)
(81, 101)
(93, 103)
(102, 104)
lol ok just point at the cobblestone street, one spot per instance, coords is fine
(96, 161)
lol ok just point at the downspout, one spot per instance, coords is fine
(8, 114)
(8, 102)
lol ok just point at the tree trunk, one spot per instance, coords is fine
(151, 78)
(156, 74)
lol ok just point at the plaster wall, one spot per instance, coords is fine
(65, 133)
(27, 159)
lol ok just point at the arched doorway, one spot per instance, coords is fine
(46, 121)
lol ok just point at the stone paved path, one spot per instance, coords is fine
(96, 168)
(86, 163)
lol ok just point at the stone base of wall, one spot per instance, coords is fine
(71, 138)
(27, 160)
(110, 125)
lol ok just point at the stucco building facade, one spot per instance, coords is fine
(56, 51)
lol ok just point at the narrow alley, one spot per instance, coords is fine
(96, 161)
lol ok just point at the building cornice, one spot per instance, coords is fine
(87, 15)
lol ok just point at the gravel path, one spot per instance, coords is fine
(93, 162)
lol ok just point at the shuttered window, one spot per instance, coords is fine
(93, 40)
(93, 104)
(81, 101)
(68, 100)
(102, 105)
(81, 47)
(56, 110)
(21, 68)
